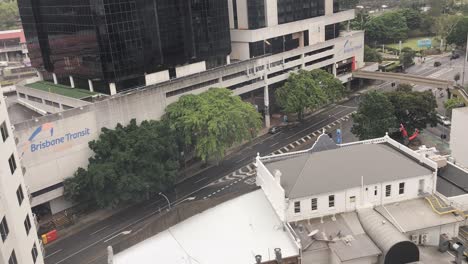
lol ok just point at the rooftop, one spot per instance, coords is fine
(345, 235)
(231, 233)
(452, 181)
(327, 168)
(59, 89)
(415, 215)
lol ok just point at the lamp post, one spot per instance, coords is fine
(167, 199)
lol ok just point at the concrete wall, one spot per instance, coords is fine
(14, 212)
(190, 69)
(157, 77)
(458, 136)
(271, 13)
(272, 189)
(434, 233)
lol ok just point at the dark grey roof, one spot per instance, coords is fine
(452, 181)
(335, 169)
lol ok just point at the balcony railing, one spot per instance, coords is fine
(13, 48)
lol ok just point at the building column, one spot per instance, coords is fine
(267, 106)
(228, 59)
(55, 78)
(334, 69)
(72, 82)
(113, 88)
(7, 57)
(90, 84)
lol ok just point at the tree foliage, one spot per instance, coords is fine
(453, 103)
(384, 112)
(375, 116)
(9, 15)
(309, 90)
(407, 57)
(386, 28)
(212, 121)
(129, 164)
(457, 33)
(371, 55)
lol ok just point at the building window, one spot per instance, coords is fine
(388, 190)
(297, 207)
(4, 131)
(20, 195)
(313, 204)
(12, 163)
(34, 253)
(4, 231)
(352, 199)
(375, 190)
(331, 201)
(27, 224)
(401, 189)
(12, 259)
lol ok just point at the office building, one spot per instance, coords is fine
(110, 45)
(17, 223)
(458, 139)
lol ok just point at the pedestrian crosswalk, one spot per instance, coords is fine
(441, 72)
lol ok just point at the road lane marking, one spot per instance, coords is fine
(275, 144)
(53, 253)
(200, 180)
(97, 231)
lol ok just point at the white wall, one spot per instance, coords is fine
(328, 7)
(458, 136)
(434, 233)
(190, 69)
(271, 13)
(242, 15)
(365, 197)
(272, 189)
(157, 77)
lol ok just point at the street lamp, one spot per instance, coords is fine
(167, 199)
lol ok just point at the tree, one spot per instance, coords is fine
(412, 16)
(211, 122)
(457, 33)
(371, 55)
(386, 28)
(453, 103)
(359, 23)
(9, 15)
(415, 110)
(404, 87)
(407, 57)
(375, 116)
(457, 77)
(130, 163)
(299, 93)
(331, 86)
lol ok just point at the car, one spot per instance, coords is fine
(443, 120)
(274, 130)
(455, 56)
(437, 64)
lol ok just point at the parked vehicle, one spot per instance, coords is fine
(437, 64)
(443, 120)
(455, 56)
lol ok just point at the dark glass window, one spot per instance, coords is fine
(34, 253)
(297, 207)
(234, 12)
(388, 190)
(12, 163)
(331, 201)
(401, 188)
(256, 13)
(4, 131)
(314, 204)
(332, 31)
(12, 259)
(295, 10)
(343, 5)
(20, 195)
(27, 224)
(4, 231)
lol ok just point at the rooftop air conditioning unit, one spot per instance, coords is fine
(424, 239)
(415, 239)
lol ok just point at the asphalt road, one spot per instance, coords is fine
(89, 245)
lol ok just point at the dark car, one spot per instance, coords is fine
(455, 56)
(437, 64)
(274, 130)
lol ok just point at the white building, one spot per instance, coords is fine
(17, 223)
(390, 187)
(262, 58)
(458, 136)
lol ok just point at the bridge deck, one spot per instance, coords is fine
(403, 78)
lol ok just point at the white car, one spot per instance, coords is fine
(444, 120)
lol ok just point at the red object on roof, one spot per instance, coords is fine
(12, 34)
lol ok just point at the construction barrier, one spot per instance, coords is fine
(49, 237)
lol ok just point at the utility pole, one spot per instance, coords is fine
(464, 63)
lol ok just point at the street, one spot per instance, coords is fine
(234, 174)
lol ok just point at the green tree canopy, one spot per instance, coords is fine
(453, 103)
(129, 164)
(415, 110)
(212, 121)
(407, 57)
(386, 28)
(371, 55)
(309, 90)
(458, 32)
(412, 16)
(374, 117)
(9, 15)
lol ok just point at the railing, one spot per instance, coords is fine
(12, 48)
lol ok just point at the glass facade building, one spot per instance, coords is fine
(295, 10)
(118, 41)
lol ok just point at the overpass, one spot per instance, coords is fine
(403, 78)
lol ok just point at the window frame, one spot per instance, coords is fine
(401, 188)
(331, 201)
(314, 204)
(4, 229)
(20, 194)
(27, 224)
(297, 207)
(388, 190)
(12, 259)
(12, 163)
(4, 131)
